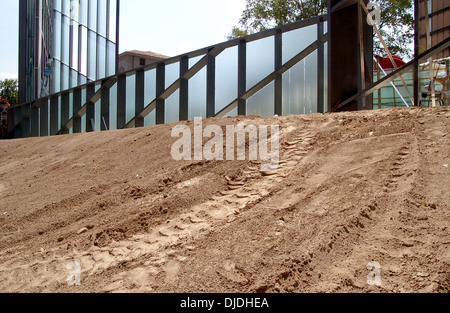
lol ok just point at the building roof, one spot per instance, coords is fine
(144, 54)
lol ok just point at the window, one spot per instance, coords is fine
(142, 62)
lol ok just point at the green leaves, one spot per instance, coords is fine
(9, 90)
(397, 20)
(260, 15)
(397, 27)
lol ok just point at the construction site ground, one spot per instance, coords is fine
(352, 188)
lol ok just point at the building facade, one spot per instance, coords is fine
(435, 18)
(65, 44)
(133, 59)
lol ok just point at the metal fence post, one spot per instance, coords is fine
(211, 86)
(184, 90)
(76, 107)
(35, 120)
(278, 77)
(43, 127)
(64, 111)
(242, 76)
(17, 122)
(140, 97)
(26, 122)
(54, 115)
(104, 108)
(90, 108)
(416, 83)
(160, 87)
(121, 101)
(320, 67)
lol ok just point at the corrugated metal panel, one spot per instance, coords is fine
(439, 25)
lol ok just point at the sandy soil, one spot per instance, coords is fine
(352, 188)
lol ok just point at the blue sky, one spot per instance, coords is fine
(169, 27)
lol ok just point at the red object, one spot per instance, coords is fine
(386, 63)
(4, 103)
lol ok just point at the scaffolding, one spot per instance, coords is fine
(394, 95)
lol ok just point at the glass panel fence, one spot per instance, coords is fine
(131, 98)
(226, 77)
(260, 60)
(113, 107)
(150, 119)
(262, 103)
(197, 95)
(297, 40)
(300, 87)
(150, 86)
(299, 91)
(172, 108)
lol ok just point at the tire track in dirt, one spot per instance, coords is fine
(347, 192)
(157, 252)
(163, 260)
(347, 230)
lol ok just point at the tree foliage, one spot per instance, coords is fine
(397, 27)
(397, 20)
(9, 89)
(260, 15)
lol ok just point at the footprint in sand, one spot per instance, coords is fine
(230, 272)
(172, 268)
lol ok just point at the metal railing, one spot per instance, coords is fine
(278, 71)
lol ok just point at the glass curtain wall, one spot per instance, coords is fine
(84, 42)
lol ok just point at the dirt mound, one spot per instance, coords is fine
(352, 188)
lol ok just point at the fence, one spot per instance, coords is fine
(280, 71)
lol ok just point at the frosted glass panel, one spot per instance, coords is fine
(197, 95)
(226, 77)
(98, 115)
(300, 87)
(113, 107)
(260, 60)
(232, 113)
(297, 40)
(172, 107)
(70, 105)
(150, 120)
(172, 73)
(193, 61)
(262, 103)
(150, 87)
(131, 97)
